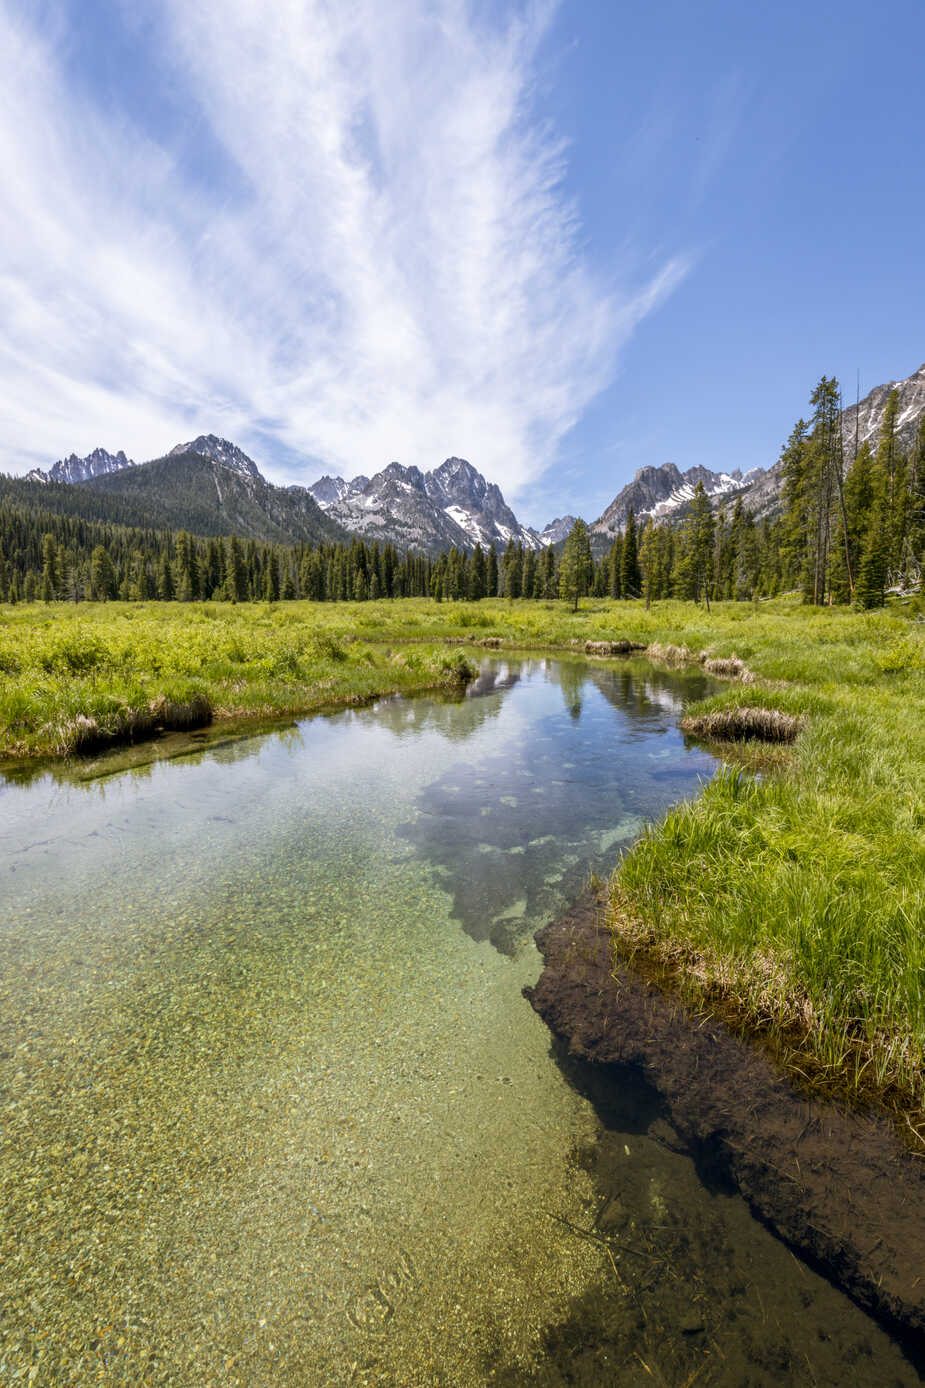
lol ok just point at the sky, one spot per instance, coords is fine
(564, 241)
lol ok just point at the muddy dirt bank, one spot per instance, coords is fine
(835, 1186)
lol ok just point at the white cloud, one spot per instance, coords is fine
(398, 274)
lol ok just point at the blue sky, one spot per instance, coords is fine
(562, 241)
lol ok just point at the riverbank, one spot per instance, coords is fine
(835, 1186)
(790, 903)
(76, 680)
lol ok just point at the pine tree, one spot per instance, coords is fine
(165, 585)
(647, 561)
(477, 574)
(550, 580)
(794, 494)
(615, 567)
(744, 546)
(839, 584)
(140, 589)
(455, 575)
(529, 574)
(492, 577)
(859, 495)
(887, 464)
(699, 530)
(630, 573)
(824, 465)
(103, 584)
(49, 568)
(916, 525)
(271, 580)
(576, 565)
(872, 576)
(236, 589)
(512, 568)
(187, 568)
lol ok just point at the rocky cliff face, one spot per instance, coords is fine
(219, 451)
(73, 469)
(863, 422)
(556, 531)
(664, 492)
(452, 505)
(327, 491)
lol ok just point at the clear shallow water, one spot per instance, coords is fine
(274, 1111)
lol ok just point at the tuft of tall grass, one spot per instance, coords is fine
(744, 724)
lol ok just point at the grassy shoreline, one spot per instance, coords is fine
(791, 903)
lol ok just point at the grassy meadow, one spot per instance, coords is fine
(789, 897)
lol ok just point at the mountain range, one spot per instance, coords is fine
(661, 492)
(664, 492)
(452, 505)
(209, 486)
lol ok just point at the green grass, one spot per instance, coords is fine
(791, 902)
(72, 678)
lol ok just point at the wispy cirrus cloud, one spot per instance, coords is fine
(393, 271)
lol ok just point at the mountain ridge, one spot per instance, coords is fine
(450, 505)
(73, 469)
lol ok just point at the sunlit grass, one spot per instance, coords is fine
(72, 678)
(793, 903)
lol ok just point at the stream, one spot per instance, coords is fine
(274, 1111)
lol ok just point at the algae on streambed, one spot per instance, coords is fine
(270, 1115)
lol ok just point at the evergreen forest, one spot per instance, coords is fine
(850, 526)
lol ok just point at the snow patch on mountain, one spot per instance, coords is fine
(556, 531)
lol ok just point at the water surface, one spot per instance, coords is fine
(274, 1110)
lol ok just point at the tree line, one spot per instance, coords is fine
(851, 529)
(847, 531)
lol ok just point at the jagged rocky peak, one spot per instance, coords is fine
(74, 469)
(457, 485)
(662, 492)
(457, 481)
(411, 478)
(557, 530)
(452, 505)
(219, 451)
(327, 491)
